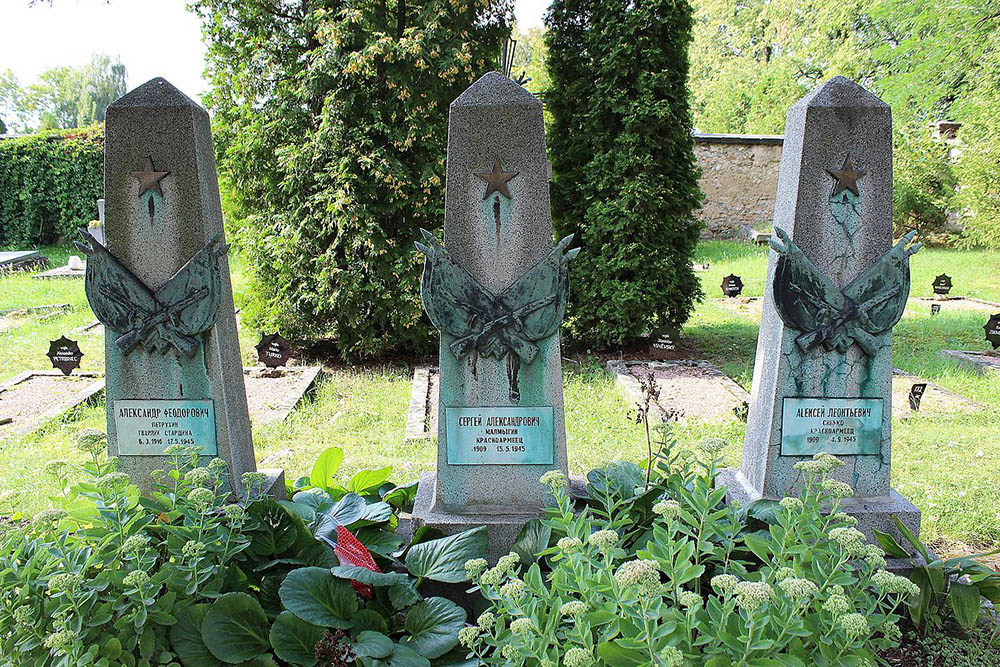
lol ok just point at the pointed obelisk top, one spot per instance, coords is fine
(155, 93)
(840, 92)
(495, 89)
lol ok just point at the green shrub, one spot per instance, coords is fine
(185, 577)
(624, 176)
(923, 185)
(49, 185)
(332, 126)
(693, 588)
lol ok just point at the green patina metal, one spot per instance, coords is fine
(172, 315)
(871, 304)
(508, 325)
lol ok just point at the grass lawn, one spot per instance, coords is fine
(947, 464)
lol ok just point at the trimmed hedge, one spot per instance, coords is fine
(49, 185)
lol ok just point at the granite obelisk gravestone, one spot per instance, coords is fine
(161, 287)
(497, 290)
(836, 285)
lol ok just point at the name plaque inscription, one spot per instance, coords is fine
(483, 436)
(148, 427)
(848, 426)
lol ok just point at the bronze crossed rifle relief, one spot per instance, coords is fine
(171, 315)
(871, 304)
(508, 324)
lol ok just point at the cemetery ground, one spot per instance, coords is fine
(947, 463)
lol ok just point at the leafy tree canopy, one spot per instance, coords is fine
(63, 97)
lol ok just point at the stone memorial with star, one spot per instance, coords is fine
(836, 286)
(161, 288)
(496, 288)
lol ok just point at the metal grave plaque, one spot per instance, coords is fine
(502, 436)
(840, 426)
(148, 427)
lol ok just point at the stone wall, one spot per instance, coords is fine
(739, 178)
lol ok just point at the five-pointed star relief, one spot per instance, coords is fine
(149, 178)
(496, 180)
(847, 177)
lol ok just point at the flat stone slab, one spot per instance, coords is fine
(16, 260)
(62, 272)
(951, 303)
(35, 397)
(981, 362)
(92, 327)
(743, 305)
(422, 413)
(11, 317)
(699, 390)
(272, 394)
(688, 389)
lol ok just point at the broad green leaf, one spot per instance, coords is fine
(402, 595)
(964, 600)
(889, 544)
(235, 628)
(372, 645)
(444, 559)
(404, 656)
(274, 529)
(316, 596)
(294, 640)
(324, 471)
(912, 539)
(186, 641)
(368, 479)
(616, 656)
(330, 514)
(619, 478)
(368, 619)
(379, 540)
(533, 538)
(366, 576)
(433, 625)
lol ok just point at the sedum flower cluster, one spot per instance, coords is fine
(646, 568)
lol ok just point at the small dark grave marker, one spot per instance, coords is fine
(705, 266)
(992, 328)
(64, 354)
(916, 393)
(742, 411)
(732, 285)
(942, 284)
(665, 341)
(273, 350)
(935, 308)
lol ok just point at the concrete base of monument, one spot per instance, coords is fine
(275, 482)
(871, 512)
(501, 528)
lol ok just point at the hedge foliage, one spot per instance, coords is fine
(624, 175)
(332, 126)
(49, 185)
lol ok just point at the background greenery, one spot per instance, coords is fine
(331, 126)
(930, 61)
(623, 173)
(62, 97)
(49, 185)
